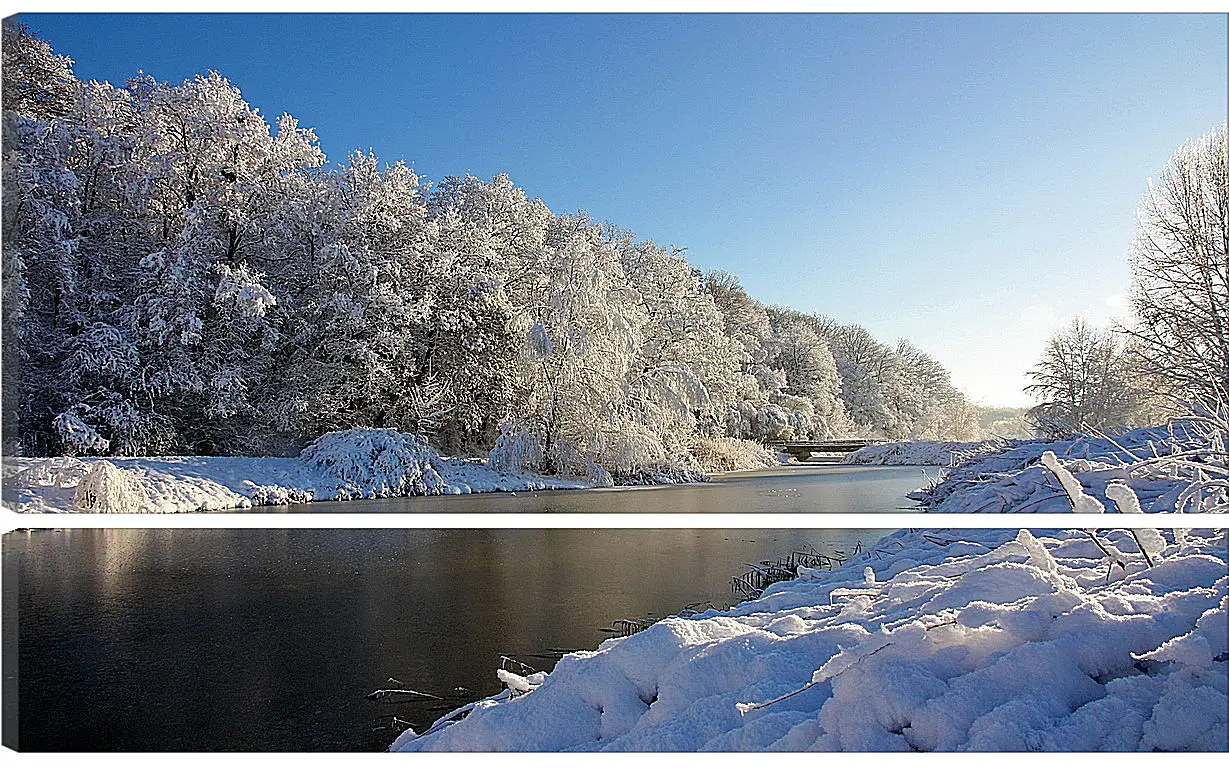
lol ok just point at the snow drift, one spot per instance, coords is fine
(958, 640)
(1179, 468)
(924, 452)
(339, 465)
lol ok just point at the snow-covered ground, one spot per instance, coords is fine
(932, 640)
(923, 452)
(1181, 468)
(324, 471)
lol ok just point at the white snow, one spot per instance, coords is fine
(1180, 468)
(966, 640)
(924, 452)
(338, 466)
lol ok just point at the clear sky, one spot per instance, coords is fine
(967, 182)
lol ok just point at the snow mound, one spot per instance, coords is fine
(974, 640)
(376, 463)
(1150, 470)
(175, 484)
(924, 452)
(106, 488)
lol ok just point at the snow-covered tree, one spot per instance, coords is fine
(685, 371)
(872, 380)
(799, 350)
(934, 408)
(38, 83)
(1083, 381)
(183, 275)
(1180, 266)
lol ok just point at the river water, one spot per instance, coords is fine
(250, 639)
(810, 489)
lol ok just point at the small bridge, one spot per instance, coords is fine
(828, 450)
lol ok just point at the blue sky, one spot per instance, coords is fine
(967, 182)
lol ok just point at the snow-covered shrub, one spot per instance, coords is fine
(57, 472)
(277, 495)
(630, 449)
(597, 476)
(376, 463)
(106, 488)
(635, 456)
(726, 454)
(517, 449)
(78, 436)
(1176, 468)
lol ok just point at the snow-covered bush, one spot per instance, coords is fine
(277, 495)
(636, 456)
(108, 489)
(78, 437)
(597, 476)
(517, 449)
(376, 463)
(57, 472)
(727, 454)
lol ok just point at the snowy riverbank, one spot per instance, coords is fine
(932, 453)
(936, 640)
(359, 468)
(1179, 468)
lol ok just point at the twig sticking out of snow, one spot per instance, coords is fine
(1037, 553)
(1124, 498)
(1081, 503)
(385, 693)
(1112, 554)
(464, 709)
(821, 675)
(1149, 541)
(1195, 492)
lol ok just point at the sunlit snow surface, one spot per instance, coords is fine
(964, 640)
(207, 483)
(1159, 464)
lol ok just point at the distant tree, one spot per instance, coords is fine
(872, 381)
(1180, 266)
(1083, 381)
(799, 350)
(934, 409)
(1002, 422)
(38, 83)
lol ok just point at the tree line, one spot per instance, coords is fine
(182, 276)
